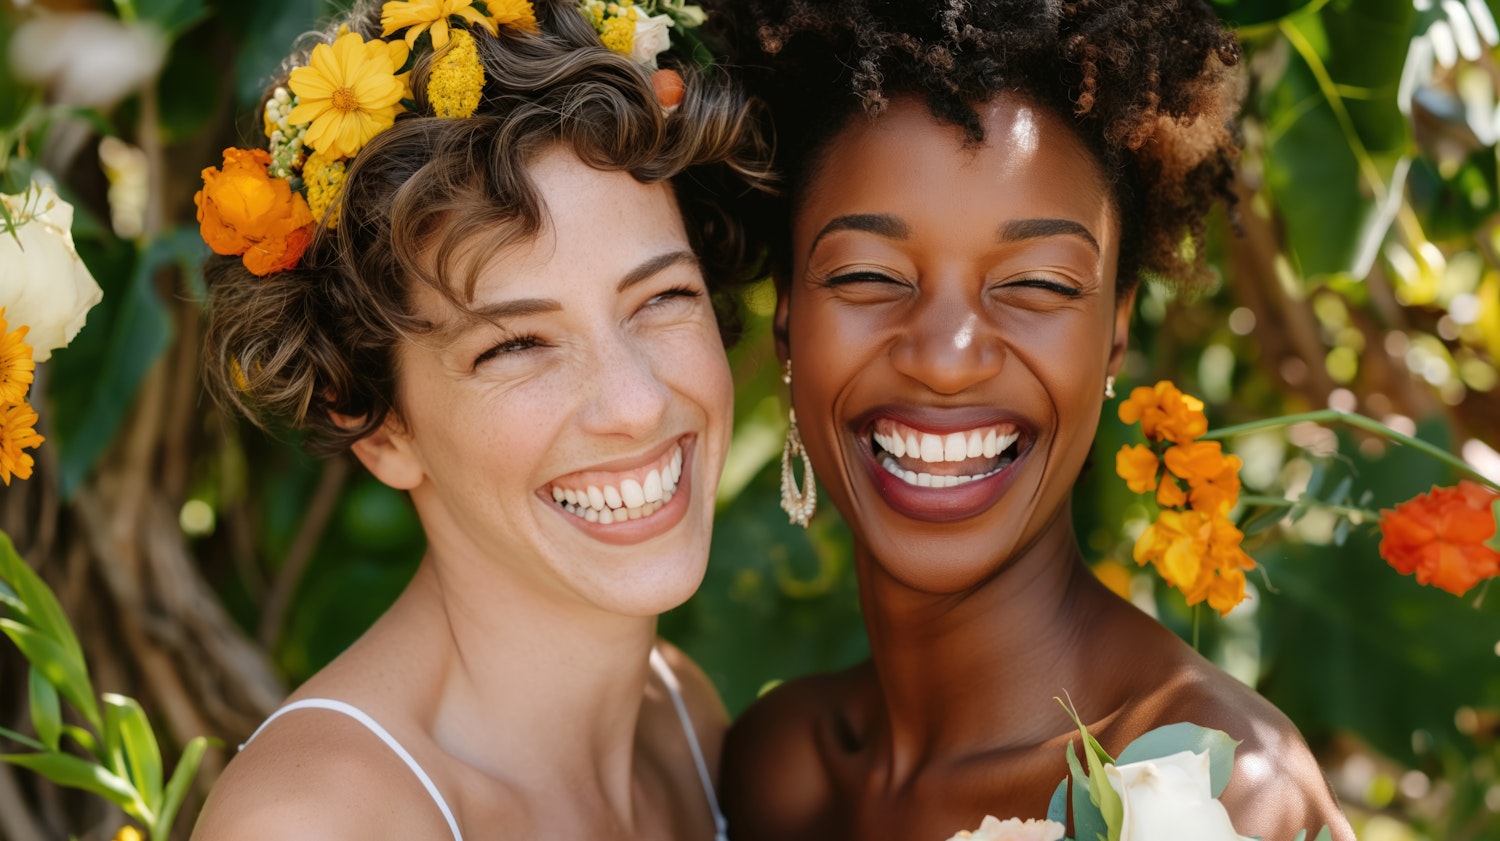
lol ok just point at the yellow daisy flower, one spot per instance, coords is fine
(457, 78)
(348, 93)
(16, 364)
(16, 434)
(418, 16)
(516, 14)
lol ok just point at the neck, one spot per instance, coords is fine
(530, 685)
(977, 671)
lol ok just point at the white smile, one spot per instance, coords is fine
(928, 460)
(626, 496)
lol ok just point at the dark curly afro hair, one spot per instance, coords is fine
(1147, 84)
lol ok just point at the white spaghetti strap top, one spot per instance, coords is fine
(658, 664)
(374, 727)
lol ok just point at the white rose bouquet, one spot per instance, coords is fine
(1163, 787)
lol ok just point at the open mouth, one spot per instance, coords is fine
(608, 498)
(946, 460)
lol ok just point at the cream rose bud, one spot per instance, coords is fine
(1170, 799)
(652, 37)
(43, 283)
(1014, 829)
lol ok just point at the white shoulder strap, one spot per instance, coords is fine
(374, 727)
(659, 664)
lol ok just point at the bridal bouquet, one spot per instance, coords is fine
(1163, 787)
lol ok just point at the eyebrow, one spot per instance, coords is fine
(1023, 229)
(880, 224)
(654, 266)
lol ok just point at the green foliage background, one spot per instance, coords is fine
(1365, 275)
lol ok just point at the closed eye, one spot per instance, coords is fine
(676, 293)
(858, 277)
(1047, 285)
(512, 346)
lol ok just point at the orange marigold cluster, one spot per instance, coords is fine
(1193, 544)
(1441, 536)
(17, 418)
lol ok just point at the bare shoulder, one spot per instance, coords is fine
(1277, 788)
(775, 775)
(318, 775)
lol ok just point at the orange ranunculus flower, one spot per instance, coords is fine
(1441, 535)
(243, 210)
(1137, 465)
(1165, 413)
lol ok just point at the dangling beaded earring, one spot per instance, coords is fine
(798, 504)
(1109, 387)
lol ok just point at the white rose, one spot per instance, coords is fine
(87, 59)
(1170, 799)
(651, 37)
(43, 283)
(1014, 829)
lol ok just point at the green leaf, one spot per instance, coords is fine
(84, 738)
(177, 787)
(1183, 736)
(1241, 13)
(140, 755)
(72, 772)
(171, 16)
(1088, 820)
(1057, 809)
(6, 733)
(33, 601)
(63, 671)
(139, 333)
(46, 711)
(1257, 520)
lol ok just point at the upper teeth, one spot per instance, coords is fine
(628, 499)
(955, 446)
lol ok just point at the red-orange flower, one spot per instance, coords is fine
(1440, 536)
(1165, 413)
(243, 210)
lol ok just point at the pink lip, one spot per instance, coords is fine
(941, 505)
(636, 531)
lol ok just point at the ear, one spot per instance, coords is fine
(389, 455)
(779, 321)
(1124, 307)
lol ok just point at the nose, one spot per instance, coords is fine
(949, 346)
(625, 396)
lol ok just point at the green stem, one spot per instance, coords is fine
(1358, 515)
(1359, 422)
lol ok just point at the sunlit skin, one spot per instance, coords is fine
(514, 668)
(938, 286)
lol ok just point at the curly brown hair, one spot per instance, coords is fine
(1146, 84)
(314, 347)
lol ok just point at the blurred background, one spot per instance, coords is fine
(208, 568)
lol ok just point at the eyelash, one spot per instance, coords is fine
(527, 341)
(1036, 283)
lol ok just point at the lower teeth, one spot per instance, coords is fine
(930, 480)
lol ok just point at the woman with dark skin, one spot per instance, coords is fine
(974, 191)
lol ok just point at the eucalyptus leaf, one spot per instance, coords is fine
(1340, 494)
(1184, 736)
(1057, 808)
(140, 751)
(72, 772)
(46, 711)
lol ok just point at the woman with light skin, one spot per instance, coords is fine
(974, 191)
(514, 322)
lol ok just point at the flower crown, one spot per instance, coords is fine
(264, 204)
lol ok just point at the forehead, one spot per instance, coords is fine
(1031, 164)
